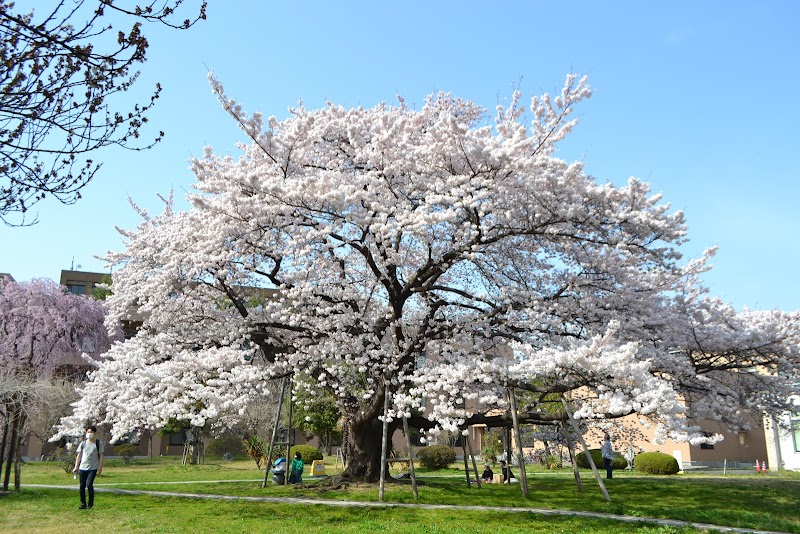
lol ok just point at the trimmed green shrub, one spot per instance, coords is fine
(436, 456)
(656, 463)
(617, 463)
(308, 453)
(127, 451)
(223, 444)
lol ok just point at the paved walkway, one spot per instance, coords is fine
(372, 504)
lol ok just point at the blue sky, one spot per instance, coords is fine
(698, 98)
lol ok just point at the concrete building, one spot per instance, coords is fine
(783, 440)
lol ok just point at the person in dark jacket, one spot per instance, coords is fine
(488, 474)
(507, 474)
(607, 452)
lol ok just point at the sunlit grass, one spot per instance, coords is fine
(753, 501)
(55, 511)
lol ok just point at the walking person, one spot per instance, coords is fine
(88, 464)
(607, 451)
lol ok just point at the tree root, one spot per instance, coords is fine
(338, 482)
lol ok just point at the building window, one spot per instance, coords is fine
(795, 421)
(177, 439)
(76, 289)
(707, 445)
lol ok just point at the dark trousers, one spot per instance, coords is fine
(87, 481)
(607, 464)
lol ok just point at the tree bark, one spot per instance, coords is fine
(4, 441)
(12, 453)
(364, 443)
(18, 456)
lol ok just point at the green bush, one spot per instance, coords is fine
(255, 448)
(127, 451)
(656, 463)
(617, 463)
(436, 456)
(552, 462)
(223, 444)
(65, 457)
(308, 453)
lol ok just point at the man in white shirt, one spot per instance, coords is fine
(89, 464)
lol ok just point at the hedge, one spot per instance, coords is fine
(436, 456)
(656, 463)
(308, 453)
(127, 451)
(223, 444)
(617, 463)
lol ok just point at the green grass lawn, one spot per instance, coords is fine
(758, 502)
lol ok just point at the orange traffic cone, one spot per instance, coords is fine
(758, 467)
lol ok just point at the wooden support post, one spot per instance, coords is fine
(523, 476)
(585, 449)
(507, 444)
(466, 464)
(474, 465)
(573, 458)
(385, 437)
(289, 434)
(274, 434)
(410, 459)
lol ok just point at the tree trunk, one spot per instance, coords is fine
(18, 456)
(364, 444)
(12, 453)
(4, 442)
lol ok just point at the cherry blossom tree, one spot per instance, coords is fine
(42, 329)
(433, 255)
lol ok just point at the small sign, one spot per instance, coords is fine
(318, 468)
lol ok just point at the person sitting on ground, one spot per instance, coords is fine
(488, 474)
(507, 474)
(296, 469)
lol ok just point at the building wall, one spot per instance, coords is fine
(82, 282)
(735, 450)
(784, 438)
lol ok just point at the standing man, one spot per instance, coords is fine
(89, 463)
(607, 451)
